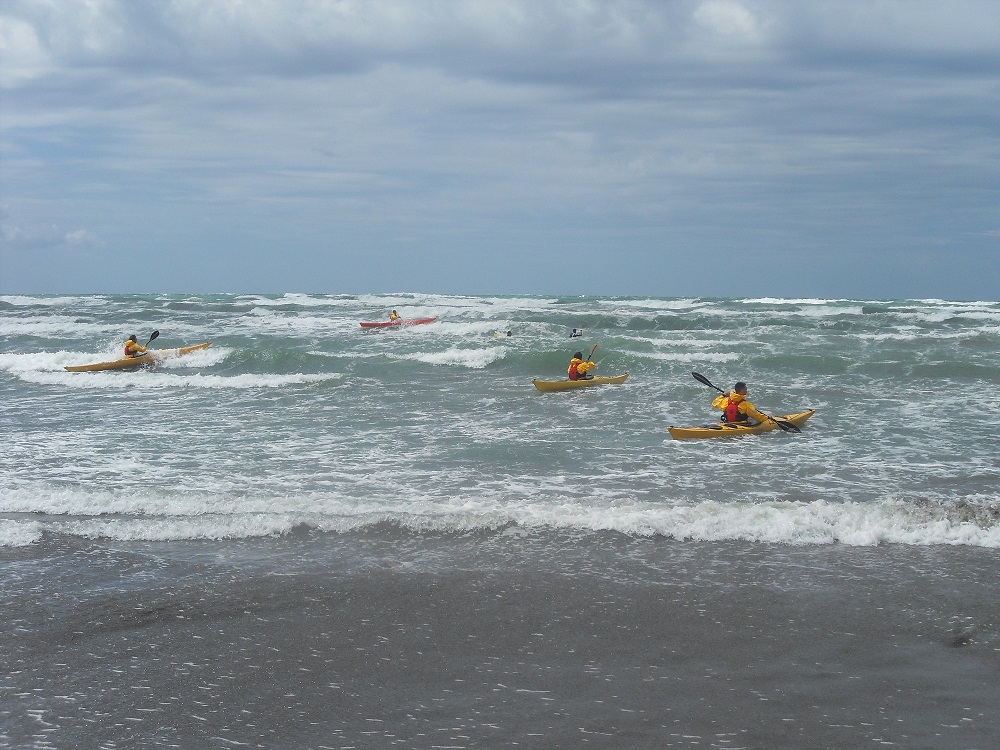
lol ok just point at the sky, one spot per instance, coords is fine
(846, 149)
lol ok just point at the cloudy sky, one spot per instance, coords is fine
(643, 147)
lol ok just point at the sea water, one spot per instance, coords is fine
(305, 484)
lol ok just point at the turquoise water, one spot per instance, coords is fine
(296, 418)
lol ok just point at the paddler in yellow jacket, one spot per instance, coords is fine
(133, 348)
(578, 368)
(736, 408)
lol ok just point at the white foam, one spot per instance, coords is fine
(475, 359)
(20, 533)
(49, 369)
(57, 361)
(264, 321)
(201, 358)
(299, 300)
(178, 528)
(166, 517)
(800, 523)
(40, 362)
(156, 379)
(796, 301)
(463, 328)
(19, 300)
(671, 305)
(690, 356)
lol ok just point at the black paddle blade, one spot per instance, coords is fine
(702, 379)
(785, 426)
(155, 334)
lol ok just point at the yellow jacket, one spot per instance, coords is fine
(742, 405)
(582, 367)
(134, 349)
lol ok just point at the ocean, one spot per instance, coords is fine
(310, 535)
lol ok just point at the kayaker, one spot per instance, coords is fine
(578, 368)
(576, 334)
(133, 348)
(736, 408)
(393, 316)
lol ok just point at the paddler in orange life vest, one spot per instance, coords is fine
(578, 368)
(133, 348)
(736, 408)
(393, 316)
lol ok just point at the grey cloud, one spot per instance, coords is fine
(783, 128)
(309, 38)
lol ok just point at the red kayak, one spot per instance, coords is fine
(399, 322)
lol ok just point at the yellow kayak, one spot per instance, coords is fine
(725, 429)
(143, 359)
(565, 385)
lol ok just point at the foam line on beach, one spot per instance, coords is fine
(791, 523)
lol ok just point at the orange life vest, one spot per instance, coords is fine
(732, 411)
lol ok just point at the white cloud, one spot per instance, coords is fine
(728, 19)
(81, 238)
(21, 53)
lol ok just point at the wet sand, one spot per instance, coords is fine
(460, 642)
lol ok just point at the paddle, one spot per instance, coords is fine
(702, 379)
(155, 334)
(782, 424)
(591, 355)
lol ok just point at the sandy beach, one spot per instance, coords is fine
(559, 641)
